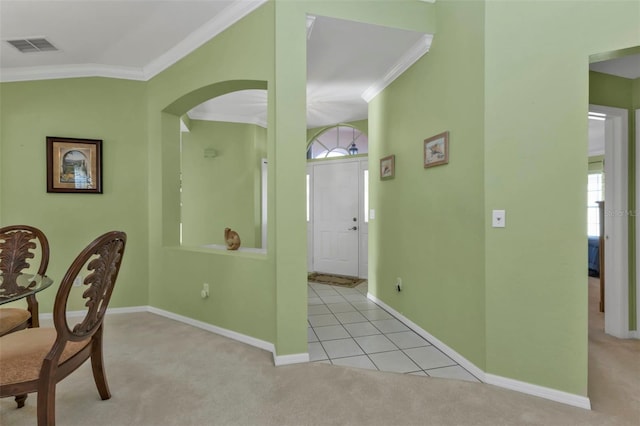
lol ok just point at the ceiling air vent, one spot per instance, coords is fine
(32, 45)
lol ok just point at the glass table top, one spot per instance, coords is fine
(17, 286)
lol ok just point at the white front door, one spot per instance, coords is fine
(335, 218)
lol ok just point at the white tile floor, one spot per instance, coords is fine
(346, 328)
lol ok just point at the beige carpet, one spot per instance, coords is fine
(162, 372)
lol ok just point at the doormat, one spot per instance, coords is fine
(339, 280)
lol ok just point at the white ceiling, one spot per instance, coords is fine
(348, 62)
(125, 39)
(138, 39)
(627, 66)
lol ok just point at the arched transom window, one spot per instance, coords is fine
(338, 141)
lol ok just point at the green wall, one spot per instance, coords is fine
(92, 108)
(536, 103)
(610, 90)
(242, 285)
(428, 228)
(221, 192)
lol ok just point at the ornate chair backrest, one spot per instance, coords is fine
(99, 263)
(18, 245)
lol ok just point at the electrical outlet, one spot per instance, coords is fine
(398, 284)
(499, 219)
(78, 281)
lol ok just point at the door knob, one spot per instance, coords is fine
(355, 228)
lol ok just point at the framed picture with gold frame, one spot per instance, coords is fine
(388, 167)
(436, 150)
(74, 165)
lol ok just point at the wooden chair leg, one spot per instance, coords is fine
(46, 408)
(33, 308)
(97, 366)
(20, 399)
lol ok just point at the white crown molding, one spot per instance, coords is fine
(410, 57)
(310, 21)
(54, 72)
(229, 118)
(218, 24)
(215, 26)
(503, 382)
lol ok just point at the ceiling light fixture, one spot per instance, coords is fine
(353, 149)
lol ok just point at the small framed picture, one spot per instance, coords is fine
(388, 167)
(74, 165)
(436, 150)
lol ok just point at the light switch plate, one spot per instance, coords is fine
(498, 219)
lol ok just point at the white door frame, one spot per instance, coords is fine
(616, 239)
(636, 334)
(263, 201)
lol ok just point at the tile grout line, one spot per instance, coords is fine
(365, 353)
(336, 293)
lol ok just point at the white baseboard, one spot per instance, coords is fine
(540, 391)
(278, 360)
(252, 341)
(503, 382)
(290, 359)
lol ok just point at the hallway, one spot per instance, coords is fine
(614, 365)
(345, 328)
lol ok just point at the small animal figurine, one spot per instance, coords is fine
(232, 239)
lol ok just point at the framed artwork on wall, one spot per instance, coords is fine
(436, 150)
(74, 165)
(388, 167)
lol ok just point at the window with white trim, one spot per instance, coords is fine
(595, 192)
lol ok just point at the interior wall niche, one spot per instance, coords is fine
(221, 182)
(222, 173)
